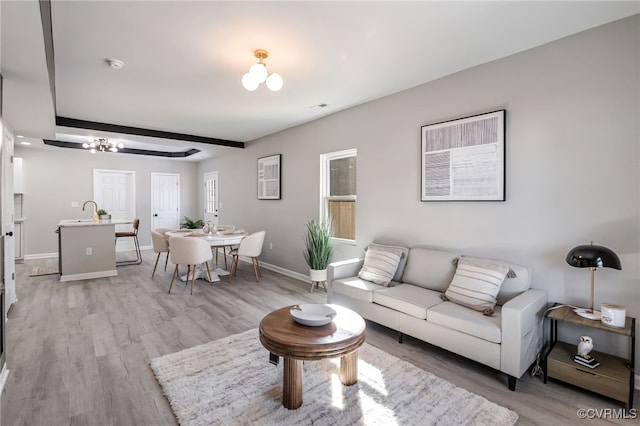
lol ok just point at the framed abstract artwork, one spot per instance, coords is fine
(463, 159)
(269, 174)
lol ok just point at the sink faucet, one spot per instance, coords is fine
(96, 218)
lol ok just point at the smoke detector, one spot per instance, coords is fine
(116, 64)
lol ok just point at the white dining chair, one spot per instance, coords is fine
(190, 251)
(250, 246)
(160, 244)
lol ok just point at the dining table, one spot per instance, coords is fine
(215, 239)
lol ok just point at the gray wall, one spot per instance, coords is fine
(572, 154)
(56, 177)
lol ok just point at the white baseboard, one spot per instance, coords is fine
(278, 269)
(4, 376)
(40, 256)
(88, 275)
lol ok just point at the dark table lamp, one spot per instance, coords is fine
(592, 257)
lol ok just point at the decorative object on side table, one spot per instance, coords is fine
(318, 251)
(582, 357)
(613, 315)
(592, 257)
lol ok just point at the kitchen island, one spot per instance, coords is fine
(86, 249)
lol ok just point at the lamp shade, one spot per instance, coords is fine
(592, 256)
(274, 82)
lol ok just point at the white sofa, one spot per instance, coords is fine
(508, 340)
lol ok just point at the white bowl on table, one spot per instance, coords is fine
(312, 314)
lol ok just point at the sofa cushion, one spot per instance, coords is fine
(356, 288)
(381, 263)
(430, 268)
(518, 281)
(457, 317)
(403, 259)
(476, 283)
(407, 298)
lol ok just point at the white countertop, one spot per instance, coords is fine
(90, 222)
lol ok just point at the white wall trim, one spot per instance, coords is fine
(278, 269)
(89, 275)
(4, 376)
(40, 256)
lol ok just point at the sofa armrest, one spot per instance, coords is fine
(344, 269)
(522, 331)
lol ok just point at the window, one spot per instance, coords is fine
(338, 192)
(210, 194)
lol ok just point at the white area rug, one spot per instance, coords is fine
(231, 382)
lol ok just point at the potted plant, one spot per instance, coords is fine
(192, 224)
(104, 215)
(318, 249)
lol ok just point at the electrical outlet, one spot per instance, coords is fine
(270, 246)
(89, 251)
(75, 204)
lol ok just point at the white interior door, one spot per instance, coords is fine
(114, 191)
(6, 171)
(165, 200)
(211, 202)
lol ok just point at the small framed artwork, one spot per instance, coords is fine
(463, 159)
(269, 174)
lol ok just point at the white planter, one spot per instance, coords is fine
(318, 274)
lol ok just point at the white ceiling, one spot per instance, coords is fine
(184, 60)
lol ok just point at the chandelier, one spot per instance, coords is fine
(258, 74)
(102, 145)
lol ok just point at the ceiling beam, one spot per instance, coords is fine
(74, 145)
(115, 128)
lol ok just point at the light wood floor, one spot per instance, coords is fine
(78, 352)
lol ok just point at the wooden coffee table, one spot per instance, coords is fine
(297, 343)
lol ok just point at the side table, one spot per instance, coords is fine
(614, 377)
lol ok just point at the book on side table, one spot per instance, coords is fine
(586, 360)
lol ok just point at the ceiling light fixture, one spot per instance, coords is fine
(258, 74)
(102, 145)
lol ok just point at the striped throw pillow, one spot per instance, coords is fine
(476, 284)
(380, 264)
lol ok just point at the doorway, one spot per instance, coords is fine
(165, 200)
(114, 191)
(211, 202)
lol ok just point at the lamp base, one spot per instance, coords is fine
(588, 314)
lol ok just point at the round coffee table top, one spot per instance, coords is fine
(282, 336)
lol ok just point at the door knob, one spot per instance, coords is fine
(155, 215)
(10, 233)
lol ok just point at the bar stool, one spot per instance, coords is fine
(131, 234)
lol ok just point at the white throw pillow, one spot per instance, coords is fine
(476, 284)
(380, 264)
